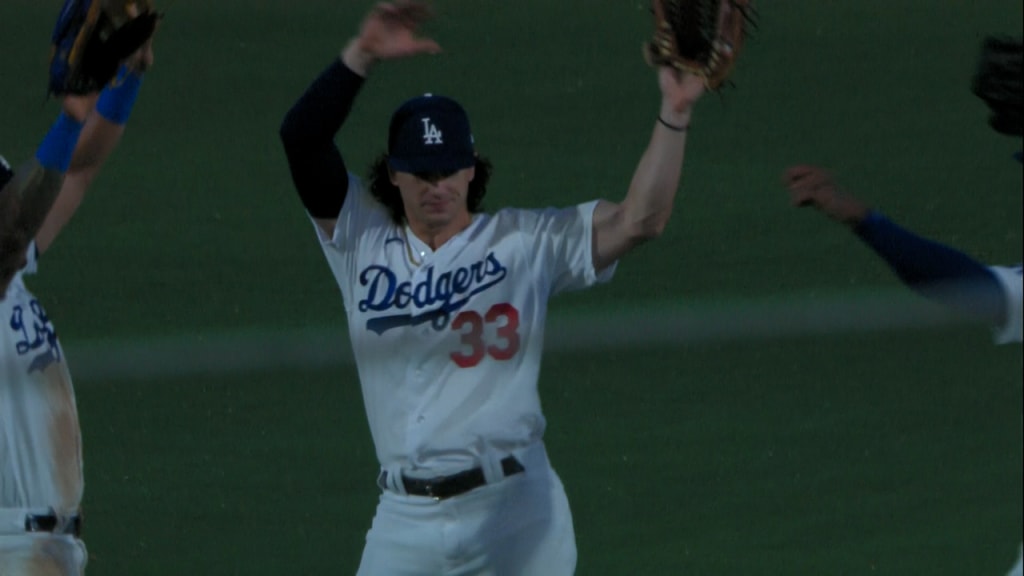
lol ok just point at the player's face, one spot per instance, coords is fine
(436, 202)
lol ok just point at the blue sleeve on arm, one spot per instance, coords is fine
(57, 147)
(935, 270)
(118, 98)
(307, 133)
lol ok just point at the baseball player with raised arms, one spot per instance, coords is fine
(446, 308)
(993, 294)
(41, 480)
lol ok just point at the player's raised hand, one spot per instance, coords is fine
(679, 89)
(390, 31)
(142, 59)
(814, 186)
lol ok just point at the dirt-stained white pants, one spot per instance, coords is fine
(41, 554)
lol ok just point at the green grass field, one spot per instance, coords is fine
(894, 452)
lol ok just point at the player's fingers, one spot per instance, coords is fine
(78, 106)
(415, 11)
(386, 13)
(419, 46)
(800, 198)
(406, 14)
(797, 172)
(427, 46)
(812, 179)
(792, 178)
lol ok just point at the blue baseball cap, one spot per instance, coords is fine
(5, 172)
(430, 134)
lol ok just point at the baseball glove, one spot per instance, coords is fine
(998, 81)
(700, 37)
(92, 37)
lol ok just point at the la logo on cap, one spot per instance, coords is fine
(431, 135)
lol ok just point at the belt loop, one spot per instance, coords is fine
(393, 478)
(533, 456)
(490, 463)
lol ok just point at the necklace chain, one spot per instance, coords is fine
(408, 248)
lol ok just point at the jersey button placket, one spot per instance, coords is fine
(418, 377)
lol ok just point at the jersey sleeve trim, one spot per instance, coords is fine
(1010, 280)
(593, 275)
(31, 259)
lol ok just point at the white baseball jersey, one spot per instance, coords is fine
(1010, 278)
(1008, 333)
(40, 443)
(448, 343)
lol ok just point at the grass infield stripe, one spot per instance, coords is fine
(653, 325)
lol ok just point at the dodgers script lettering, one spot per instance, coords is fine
(436, 296)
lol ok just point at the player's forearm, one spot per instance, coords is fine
(37, 187)
(102, 132)
(356, 59)
(38, 181)
(307, 133)
(322, 109)
(648, 204)
(98, 141)
(935, 270)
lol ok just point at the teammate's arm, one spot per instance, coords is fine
(644, 212)
(37, 182)
(307, 133)
(99, 137)
(934, 270)
(105, 119)
(308, 130)
(27, 195)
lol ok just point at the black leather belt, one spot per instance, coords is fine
(51, 523)
(443, 487)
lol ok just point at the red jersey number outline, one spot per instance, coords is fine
(473, 337)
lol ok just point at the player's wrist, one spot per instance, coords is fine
(78, 106)
(683, 127)
(55, 151)
(848, 211)
(673, 119)
(356, 58)
(118, 99)
(866, 218)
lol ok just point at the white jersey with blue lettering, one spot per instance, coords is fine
(448, 343)
(40, 441)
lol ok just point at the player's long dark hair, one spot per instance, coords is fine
(388, 194)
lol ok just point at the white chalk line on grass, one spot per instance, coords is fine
(648, 326)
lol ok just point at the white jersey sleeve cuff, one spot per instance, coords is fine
(1010, 279)
(31, 259)
(594, 276)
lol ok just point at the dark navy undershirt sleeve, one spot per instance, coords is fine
(307, 133)
(935, 270)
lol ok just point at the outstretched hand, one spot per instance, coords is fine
(814, 186)
(679, 89)
(142, 59)
(78, 106)
(390, 31)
